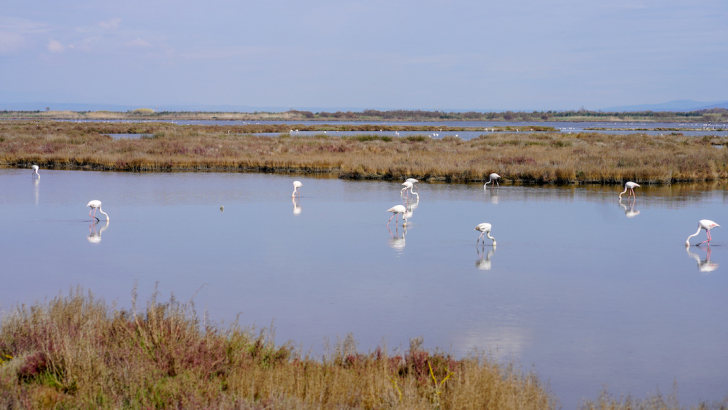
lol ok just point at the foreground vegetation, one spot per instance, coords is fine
(76, 351)
(707, 115)
(524, 157)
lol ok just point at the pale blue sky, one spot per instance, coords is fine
(521, 54)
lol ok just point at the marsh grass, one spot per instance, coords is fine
(588, 157)
(76, 351)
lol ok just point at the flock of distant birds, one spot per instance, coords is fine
(409, 185)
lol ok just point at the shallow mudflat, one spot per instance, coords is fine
(587, 290)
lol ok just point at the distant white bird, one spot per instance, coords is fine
(396, 210)
(629, 186)
(96, 204)
(296, 185)
(413, 181)
(407, 185)
(35, 171)
(703, 224)
(484, 228)
(493, 178)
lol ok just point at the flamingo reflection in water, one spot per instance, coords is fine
(94, 236)
(296, 207)
(396, 242)
(36, 183)
(494, 196)
(629, 213)
(704, 266)
(483, 263)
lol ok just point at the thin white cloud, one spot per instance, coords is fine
(138, 43)
(55, 46)
(10, 42)
(112, 24)
(21, 25)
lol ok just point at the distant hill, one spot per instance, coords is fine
(677, 105)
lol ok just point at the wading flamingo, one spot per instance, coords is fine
(35, 171)
(494, 179)
(629, 186)
(413, 181)
(296, 185)
(702, 224)
(408, 185)
(96, 204)
(396, 210)
(484, 228)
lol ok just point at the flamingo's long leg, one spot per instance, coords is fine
(390, 220)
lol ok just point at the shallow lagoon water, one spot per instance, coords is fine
(585, 291)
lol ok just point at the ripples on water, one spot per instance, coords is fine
(588, 290)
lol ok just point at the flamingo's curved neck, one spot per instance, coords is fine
(687, 241)
(490, 237)
(623, 192)
(107, 215)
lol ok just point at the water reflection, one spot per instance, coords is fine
(296, 206)
(483, 262)
(397, 242)
(629, 212)
(95, 236)
(706, 265)
(36, 188)
(493, 196)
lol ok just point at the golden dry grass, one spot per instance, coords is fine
(524, 157)
(77, 352)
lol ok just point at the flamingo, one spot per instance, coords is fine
(484, 228)
(413, 181)
(296, 185)
(407, 185)
(629, 186)
(35, 171)
(396, 210)
(702, 224)
(96, 204)
(493, 178)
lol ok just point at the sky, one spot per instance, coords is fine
(480, 55)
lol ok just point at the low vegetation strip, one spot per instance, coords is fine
(77, 352)
(543, 157)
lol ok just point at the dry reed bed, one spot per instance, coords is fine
(77, 352)
(528, 157)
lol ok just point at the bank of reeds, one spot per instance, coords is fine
(525, 157)
(76, 351)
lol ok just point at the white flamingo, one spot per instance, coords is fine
(702, 224)
(96, 204)
(413, 181)
(396, 210)
(296, 185)
(629, 186)
(494, 179)
(35, 171)
(408, 185)
(484, 228)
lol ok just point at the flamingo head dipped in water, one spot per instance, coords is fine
(494, 179)
(484, 228)
(35, 171)
(296, 185)
(96, 204)
(703, 224)
(397, 210)
(629, 186)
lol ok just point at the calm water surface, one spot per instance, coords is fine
(586, 291)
